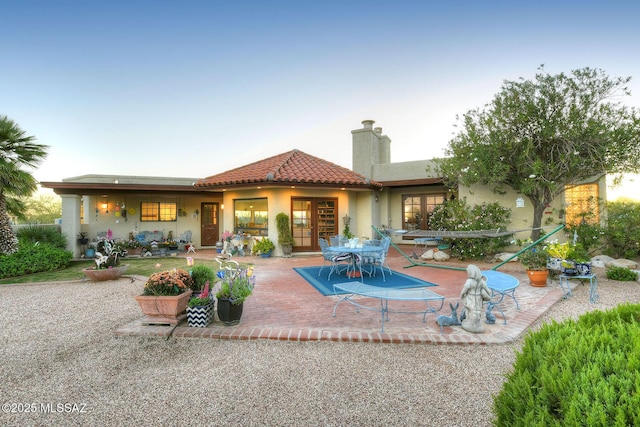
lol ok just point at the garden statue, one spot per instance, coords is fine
(473, 295)
(452, 320)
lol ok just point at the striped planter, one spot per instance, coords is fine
(200, 316)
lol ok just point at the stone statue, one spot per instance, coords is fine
(473, 295)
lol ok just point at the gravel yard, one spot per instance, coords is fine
(60, 349)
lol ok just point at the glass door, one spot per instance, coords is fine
(313, 218)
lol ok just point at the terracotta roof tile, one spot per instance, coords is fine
(292, 167)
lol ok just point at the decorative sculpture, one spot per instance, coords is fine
(473, 295)
(490, 317)
(443, 320)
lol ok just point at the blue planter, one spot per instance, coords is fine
(267, 255)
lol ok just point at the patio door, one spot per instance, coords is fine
(313, 218)
(209, 222)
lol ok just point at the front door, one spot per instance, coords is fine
(313, 218)
(209, 222)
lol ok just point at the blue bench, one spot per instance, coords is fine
(384, 294)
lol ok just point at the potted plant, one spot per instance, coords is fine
(285, 239)
(580, 260)
(165, 296)
(201, 275)
(200, 309)
(236, 286)
(90, 251)
(131, 247)
(534, 261)
(264, 247)
(83, 238)
(107, 260)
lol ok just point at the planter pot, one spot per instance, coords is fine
(200, 316)
(569, 268)
(554, 264)
(228, 313)
(538, 277)
(287, 249)
(83, 241)
(265, 255)
(164, 308)
(583, 268)
(103, 274)
(134, 251)
(90, 253)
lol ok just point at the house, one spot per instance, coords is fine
(320, 197)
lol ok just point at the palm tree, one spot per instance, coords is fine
(16, 152)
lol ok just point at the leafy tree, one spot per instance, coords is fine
(16, 152)
(538, 136)
(41, 208)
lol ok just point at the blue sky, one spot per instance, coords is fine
(194, 88)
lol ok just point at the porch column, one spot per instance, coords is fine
(71, 221)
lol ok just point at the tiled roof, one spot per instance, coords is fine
(291, 168)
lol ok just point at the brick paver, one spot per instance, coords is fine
(285, 307)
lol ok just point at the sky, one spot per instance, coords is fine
(195, 88)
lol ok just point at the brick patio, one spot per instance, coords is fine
(285, 307)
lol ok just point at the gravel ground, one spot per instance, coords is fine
(60, 349)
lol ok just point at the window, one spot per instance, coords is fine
(582, 204)
(158, 211)
(251, 216)
(417, 209)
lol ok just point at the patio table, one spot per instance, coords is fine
(354, 253)
(501, 284)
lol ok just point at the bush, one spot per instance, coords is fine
(38, 233)
(621, 274)
(33, 258)
(200, 275)
(621, 235)
(456, 215)
(578, 372)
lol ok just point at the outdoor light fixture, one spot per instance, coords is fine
(519, 202)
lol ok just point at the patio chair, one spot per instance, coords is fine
(334, 259)
(369, 261)
(338, 240)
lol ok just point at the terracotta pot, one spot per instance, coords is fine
(538, 277)
(168, 307)
(103, 274)
(134, 251)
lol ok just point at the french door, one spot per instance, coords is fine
(313, 218)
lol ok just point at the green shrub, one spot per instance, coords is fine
(621, 235)
(33, 258)
(38, 233)
(457, 215)
(621, 274)
(200, 273)
(578, 372)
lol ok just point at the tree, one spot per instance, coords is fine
(17, 151)
(538, 136)
(41, 208)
